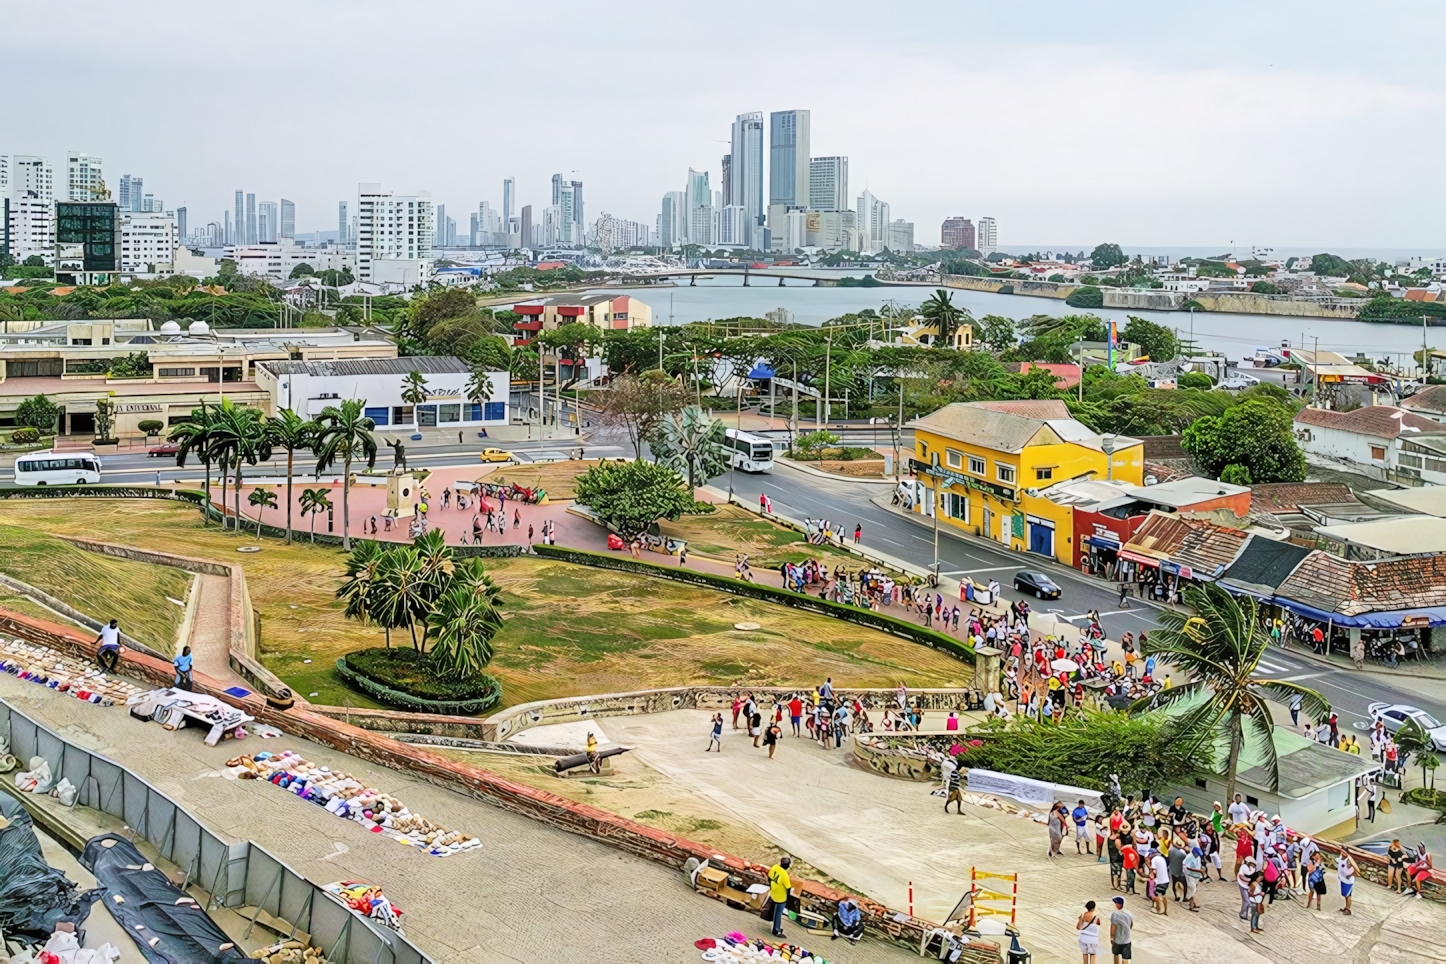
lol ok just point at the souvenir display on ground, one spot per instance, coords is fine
(64, 674)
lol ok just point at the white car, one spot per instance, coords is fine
(1237, 382)
(1396, 714)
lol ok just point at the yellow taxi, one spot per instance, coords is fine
(495, 455)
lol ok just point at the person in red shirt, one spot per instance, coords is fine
(795, 713)
(1132, 863)
(1244, 847)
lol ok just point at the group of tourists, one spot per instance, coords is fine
(827, 717)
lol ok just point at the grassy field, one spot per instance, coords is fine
(733, 529)
(570, 630)
(100, 586)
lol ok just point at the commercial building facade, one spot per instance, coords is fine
(308, 387)
(957, 233)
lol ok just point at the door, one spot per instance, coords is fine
(1041, 539)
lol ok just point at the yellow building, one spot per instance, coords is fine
(984, 463)
(925, 334)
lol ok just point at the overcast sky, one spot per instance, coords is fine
(1294, 124)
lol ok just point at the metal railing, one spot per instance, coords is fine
(236, 875)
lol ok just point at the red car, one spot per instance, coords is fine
(164, 449)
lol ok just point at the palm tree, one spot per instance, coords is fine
(463, 621)
(312, 502)
(436, 562)
(263, 499)
(193, 436)
(362, 586)
(1412, 737)
(223, 444)
(692, 444)
(243, 432)
(405, 597)
(1219, 649)
(479, 387)
(345, 435)
(290, 431)
(414, 393)
(946, 316)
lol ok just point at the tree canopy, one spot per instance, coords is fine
(1107, 255)
(1258, 434)
(628, 497)
(1154, 340)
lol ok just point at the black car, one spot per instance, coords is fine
(1036, 584)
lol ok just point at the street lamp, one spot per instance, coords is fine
(1107, 442)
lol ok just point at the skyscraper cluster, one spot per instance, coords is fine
(774, 195)
(269, 222)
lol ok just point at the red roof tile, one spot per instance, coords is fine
(1378, 421)
(1332, 584)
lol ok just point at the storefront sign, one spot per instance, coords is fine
(139, 408)
(1136, 557)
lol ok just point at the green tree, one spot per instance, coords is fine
(104, 418)
(34, 261)
(151, 426)
(628, 497)
(811, 443)
(692, 444)
(570, 342)
(425, 312)
(241, 433)
(1257, 434)
(263, 499)
(1154, 340)
(946, 317)
(38, 412)
(361, 585)
(1413, 738)
(995, 332)
(479, 386)
(312, 502)
(414, 393)
(346, 436)
(639, 404)
(1266, 288)
(290, 432)
(463, 622)
(197, 435)
(1107, 256)
(403, 597)
(1218, 650)
(1235, 474)
(491, 352)
(302, 271)
(1196, 380)
(1086, 296)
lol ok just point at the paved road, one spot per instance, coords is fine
(800, 495)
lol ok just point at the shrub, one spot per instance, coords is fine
(25, 436)
(1086, 296)
(1196, 380)
(404, 677)
(150, 426)
(1426, 797)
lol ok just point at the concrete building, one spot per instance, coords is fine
(308, 387)
(832, 230)
(1368, 440)
(29, 227)
(394, 236)
(84, 179)
(672, 221)
(788, 151)
(130, 192)
(509, 200)
(900, 236)
(343, 235)
(828, 183)
(957, 233)
(87, 242)
(699, 203)
(32, 175)
(253, 229)
(745, 177)
(988, 236)
(277, 261)
(873, 223)
(147, 243)
(983, 465)
(286, 225)
(267, 228)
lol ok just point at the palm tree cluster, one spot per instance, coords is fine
(437, 599)
(229, 437)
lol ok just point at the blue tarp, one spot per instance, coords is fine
(761, 371)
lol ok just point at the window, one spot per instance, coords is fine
(449, 412)
(955, 458)
(1005, 473)
(1043, 475)
(377, 415)
(1378, 452)
(956, 506)
(923, 450)
(177, 372)
(976, 465)
(494, 411)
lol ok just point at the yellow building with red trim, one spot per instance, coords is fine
(983, 464)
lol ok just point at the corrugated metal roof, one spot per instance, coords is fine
(1159, 535)
(426, 364)
(1209, 548)
(1265, 563)
(1332, 584)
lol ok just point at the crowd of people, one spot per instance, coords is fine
(826, 717)
(486, 517)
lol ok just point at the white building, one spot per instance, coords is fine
(833, 230)
(307, 387)
(673, 221)
(828, 183)
(277, 261)
(84, 181)
(873, 222)
(988, 236)
(31, 227)
(1368, 440)
(148, 243)
(267, 226)
(900, 236)
(746, 177)
(393, 236)
(29, 174)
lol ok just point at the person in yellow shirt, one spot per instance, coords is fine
(593, 763)
(779, 884)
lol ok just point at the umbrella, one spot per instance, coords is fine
(1065, 665)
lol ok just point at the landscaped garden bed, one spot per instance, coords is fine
(405, 678)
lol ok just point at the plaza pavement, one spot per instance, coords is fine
(533, 893)
(877, 834)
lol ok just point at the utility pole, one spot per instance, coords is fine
(824, 412)
(899, 431)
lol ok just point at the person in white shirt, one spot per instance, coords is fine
(1238, 810)
(1160, 881)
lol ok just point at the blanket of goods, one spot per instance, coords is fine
(349, 798)
(64, 674)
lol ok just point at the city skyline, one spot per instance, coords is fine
(1111, 129)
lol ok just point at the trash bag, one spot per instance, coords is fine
(34, 896)
(168, 926)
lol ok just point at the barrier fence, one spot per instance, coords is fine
(235, 874)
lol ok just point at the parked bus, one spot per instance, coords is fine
(751, 453)
(54, 468)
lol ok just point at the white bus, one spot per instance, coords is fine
(751, 453)
(57, 468)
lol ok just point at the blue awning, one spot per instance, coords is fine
(761, 371)
(1416, 618)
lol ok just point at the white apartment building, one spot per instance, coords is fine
(31, 227)
(32, 174)
(988, 236)
(277, 261)
(873, 224)
(84, 181)
(148, 243)
(393, 236)
(828, 183)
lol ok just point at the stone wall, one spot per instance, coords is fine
(1247, 302)
(1143, 299)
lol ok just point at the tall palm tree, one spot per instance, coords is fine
(414, 393)
(479, 387)
(290, 431)
(463, 621)
(946, 316)
(194, 437)
(263, 499)
(226, 441)
(1219, 649)
(243, 431)
(312, 502)
(345, 436)
(362, 585)
(405, 596)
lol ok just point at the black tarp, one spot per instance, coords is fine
(153, 907)
(34, 896)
